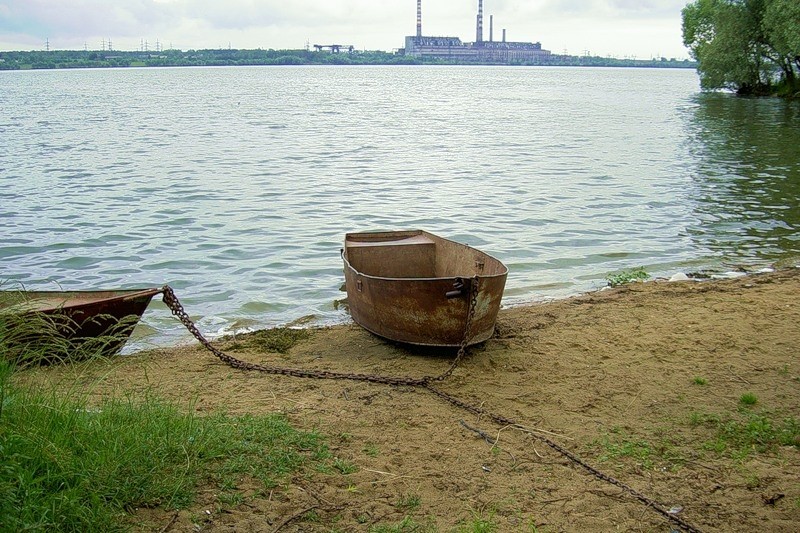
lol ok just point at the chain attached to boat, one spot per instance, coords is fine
(177, 309)
(426, 383)
(462, 348)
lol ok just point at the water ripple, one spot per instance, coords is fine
(241, 202)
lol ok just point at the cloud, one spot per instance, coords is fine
(365, 23)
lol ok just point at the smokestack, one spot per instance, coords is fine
(504, 35)
(491, 28)
(419, 19)
(479, 32)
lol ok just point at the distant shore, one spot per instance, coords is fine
(69, 59)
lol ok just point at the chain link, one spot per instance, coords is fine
(462, 349)
(178, 311)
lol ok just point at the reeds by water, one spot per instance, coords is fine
(39, 338)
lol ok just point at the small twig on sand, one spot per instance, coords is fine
(489, 440)
(481, 433)
(169, 524)
(497, 438)
(740, 378)
(314, 495)
(536, 452)
(624, 411)
(556, 500)
(294, 517)
(534, 431)
(380, 472)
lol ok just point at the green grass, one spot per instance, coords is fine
(409, 502)
(663, 451)
(371, 449)
(700, 381)
(344, 467)
(407, 525)
(748, 399)
(627, 276)
(30, 339)
(481, 522)
(68, 465)
(739, 436)
(624, 446)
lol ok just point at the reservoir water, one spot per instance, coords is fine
(236, 185)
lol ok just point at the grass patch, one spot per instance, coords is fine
(409, 502)
(700, 381)
(638, 449)
(344, 467)
(371, 449)
(748, 399)
(279, 340)
(66, 465)
(627, 276)
(617, 445)
(407, 525)
(481, 522)
(740, 435)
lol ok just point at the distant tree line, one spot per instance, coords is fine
(749, 46)
(62, 59)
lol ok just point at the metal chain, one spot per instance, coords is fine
(504, 421)
(462, 349)
(177, 309)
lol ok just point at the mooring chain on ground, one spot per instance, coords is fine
(504, 421)
(178, 310)
(462, 348)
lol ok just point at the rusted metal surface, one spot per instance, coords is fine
(415, 287)
(80, 315)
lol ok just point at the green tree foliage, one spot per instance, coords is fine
(750, 46)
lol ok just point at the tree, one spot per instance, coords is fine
(782, 26)
(750, 46)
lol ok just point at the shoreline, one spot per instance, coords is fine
(644, 382)
(314, 322)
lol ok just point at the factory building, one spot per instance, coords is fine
(480, 51)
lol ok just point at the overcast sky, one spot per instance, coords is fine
(619, 28)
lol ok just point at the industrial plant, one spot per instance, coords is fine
(481, 51)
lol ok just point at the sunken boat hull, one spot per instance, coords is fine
(37, 320)
(415, 287)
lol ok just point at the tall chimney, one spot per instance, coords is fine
(479, 32)
(491, 28)
(419, 19)
(504, 35)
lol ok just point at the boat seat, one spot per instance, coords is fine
(411, 257)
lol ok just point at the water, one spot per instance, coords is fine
(236, 185)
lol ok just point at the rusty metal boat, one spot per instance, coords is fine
(417, 288)
(33, 317)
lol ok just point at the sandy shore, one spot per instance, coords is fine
(644, 382)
